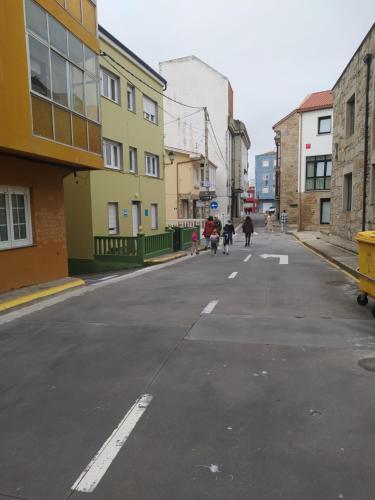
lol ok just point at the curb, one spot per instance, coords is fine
(162, 260)
(349, 270)
(9, 304)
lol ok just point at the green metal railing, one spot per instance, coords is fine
(116, 245)
(186, 235)
(158, 244)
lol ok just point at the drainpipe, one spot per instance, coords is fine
(367, 61)
(299, 170)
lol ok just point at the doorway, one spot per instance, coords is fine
(136, 217)
(325, 210)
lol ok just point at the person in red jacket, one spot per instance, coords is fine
(208, 228)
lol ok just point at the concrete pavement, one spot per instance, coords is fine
(261, 398)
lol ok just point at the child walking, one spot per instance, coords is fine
(194, 242)
(226, 239)
(214, 240)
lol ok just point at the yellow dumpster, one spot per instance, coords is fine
(366, 241)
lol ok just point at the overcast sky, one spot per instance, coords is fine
(273, 52)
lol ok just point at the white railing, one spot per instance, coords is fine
(186, 222)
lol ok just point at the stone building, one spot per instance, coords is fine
(286, 192)
(353, 175)
(304, 161)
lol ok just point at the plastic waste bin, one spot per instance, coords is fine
(366, 241)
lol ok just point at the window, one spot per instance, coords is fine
(266, 189)
(113, 223)
(154, 216)
(318, 172)
(152, 165)
(265, 163)
(266, 178)
(324, 125)
(110, 85)
(325, 209)
(63, 72)
(350, 116)
(131, 97)
(150, 109)
(274, 163)
(15, 219)
(133, 160)
(112, 154)
(348, 185)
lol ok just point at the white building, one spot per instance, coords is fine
(194, 82)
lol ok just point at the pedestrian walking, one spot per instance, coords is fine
(218, 225)
(231, 231)
(214, 241)
(248, 229)
(194, 242)
(269, 223)
(283, 220)
(226, 239)
(208, 228)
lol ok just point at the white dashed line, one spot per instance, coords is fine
(233, 275)
(247, 258)
(210, 307)
(90, 477)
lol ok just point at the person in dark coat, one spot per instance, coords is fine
(231, 231)
(248, 229)
(218, 225)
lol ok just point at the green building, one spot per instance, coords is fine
(106, 210)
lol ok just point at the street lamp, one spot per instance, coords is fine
(171, 156)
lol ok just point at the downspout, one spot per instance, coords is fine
(367, 61)
(300, 174)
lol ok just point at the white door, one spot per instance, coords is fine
(113, 218)
(135, 217)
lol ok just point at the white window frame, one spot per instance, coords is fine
(266, 180)
(116, 229)
(147, 115)
(154, 216)
(130, 96)
(265, 163)
(133, 160)
(152, 165)
(12, 242)
(104, 73)
(112, 145)
(322, 119)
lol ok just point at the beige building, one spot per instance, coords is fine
(353, 175)
(128, 196)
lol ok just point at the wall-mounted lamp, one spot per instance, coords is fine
(171, 156)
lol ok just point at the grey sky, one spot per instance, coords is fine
(273, 52)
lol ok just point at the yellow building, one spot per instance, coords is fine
(185, 185)
(128, 197)
(49, 127)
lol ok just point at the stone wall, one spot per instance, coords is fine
(348, 151)
(310, 210)
(289, 137)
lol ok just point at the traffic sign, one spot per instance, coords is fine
(214, 205)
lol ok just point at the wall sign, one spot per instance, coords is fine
(125, 212)
(146, 212)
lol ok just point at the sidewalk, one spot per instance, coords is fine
(22, 296)
(346, 260)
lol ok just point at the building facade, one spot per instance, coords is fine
(353, 174)
(194, 82)
(251, 202)
(185, 185)
(239, 164)
(265, 177)
(304, 151)
(50, 126)
(128, 196)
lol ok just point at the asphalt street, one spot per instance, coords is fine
(251, 370)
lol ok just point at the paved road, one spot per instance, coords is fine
(262, 398)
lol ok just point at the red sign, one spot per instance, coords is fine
(308, 146)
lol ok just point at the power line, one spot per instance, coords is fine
(217, 142)
(181, 117)
(104, 54)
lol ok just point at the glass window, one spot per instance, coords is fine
(325, 209)
(113, 221)
(154, 216)
(112, 154)
(75, 49)
(91, 61)
(350, 116)
(150, 109)
(59, 79)
(92, 98)
(318, 172)
(57, 35)
(42, 117)
(320, 168)
(324, 125)
(39, 67)
(152, 165)
(348, 186)
(77, 89)
(36, 19)
(63, 127)
(133, 160)
(131, 97)
(110, 85)
(4, 235)
(265, 163)
(19, 216)
(15, 223)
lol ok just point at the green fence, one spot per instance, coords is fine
(185, 236)
(158, 244)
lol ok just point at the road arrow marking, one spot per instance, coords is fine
(283, 259)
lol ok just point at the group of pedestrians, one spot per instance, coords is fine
(213, 230)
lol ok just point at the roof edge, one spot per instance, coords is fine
(285, 118)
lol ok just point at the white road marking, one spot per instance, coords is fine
(210, 307)
(90, 477)
(108, 277)
(247, 258)
(283, 259)
(233, 275)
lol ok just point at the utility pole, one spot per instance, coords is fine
(206, 164)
